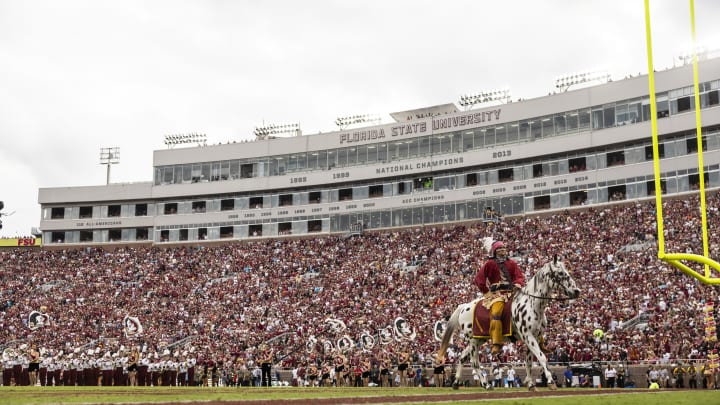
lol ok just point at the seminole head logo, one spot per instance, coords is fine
(132, 326)
(37, 320)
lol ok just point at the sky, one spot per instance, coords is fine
(77, 76)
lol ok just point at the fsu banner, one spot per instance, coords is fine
(386, 335)
(367, 341)
(133, 327)
(37, 320)
(335, 325)
(439, 330)
(402, 329)
(20, 242)
(345, 344)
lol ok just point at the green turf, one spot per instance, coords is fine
(91, 395)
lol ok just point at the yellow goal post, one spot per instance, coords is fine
(678, 259)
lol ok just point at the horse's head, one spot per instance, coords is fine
(559, 279)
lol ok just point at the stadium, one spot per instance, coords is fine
(434, 165)
(306, 249)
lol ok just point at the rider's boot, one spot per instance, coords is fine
(541, 344)
(496, 336)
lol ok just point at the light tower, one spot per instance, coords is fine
(108, 157)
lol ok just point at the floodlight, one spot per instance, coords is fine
(485, 96)
(344, 122)
(274, 129)
(564, 82)
(178, 139)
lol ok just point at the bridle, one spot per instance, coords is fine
(555, 261)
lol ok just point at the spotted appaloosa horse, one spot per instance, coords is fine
(528, 319)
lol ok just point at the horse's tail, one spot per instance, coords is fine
(452, 323)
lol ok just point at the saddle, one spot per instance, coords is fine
(481, 320)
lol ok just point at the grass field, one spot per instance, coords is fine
(95, 395)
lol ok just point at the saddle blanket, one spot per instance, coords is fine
(481, 320)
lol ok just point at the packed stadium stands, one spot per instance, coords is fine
(225, 301)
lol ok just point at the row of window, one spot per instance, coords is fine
(679, 146)
(597, 117)
(485, 209)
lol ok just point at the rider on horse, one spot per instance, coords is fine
(497, 279)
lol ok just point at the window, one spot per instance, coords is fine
(401, 188)
(183, 234)
(256, 202)
(541, 202)
(683, 104)
(692, 146)
(650, 187)
(226, 232)
(578, 198)
(141, 210)
(224, 170)
(663, 107)
(114, 235)
(615, 158)
(314, 197)
(86, 236)
(255, 230)
(58, 237)
(505, 175)
(246, 171)
(285, 228)
(198, 207)
(57, 213)
(285, 199)
(170, 209)
(471, 179)
(649, 151)
(423, 183)
(227, 205)
(234, 170)
(345, 194)
(538, 170)
(314, 225)
(376, 191)
(202, 233)
(577, 165)
(617, 193)
(86, 212)
(141, 233)
(113, 210)
(165, 235)
(694, 180)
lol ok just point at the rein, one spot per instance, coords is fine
(548, 298)
(555, 260)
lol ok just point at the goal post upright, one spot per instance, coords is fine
(676, 259)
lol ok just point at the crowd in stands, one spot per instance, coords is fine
(228, 300)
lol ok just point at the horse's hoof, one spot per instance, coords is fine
(456, 386)
(552, 386)
(532, 388)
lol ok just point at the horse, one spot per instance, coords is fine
(528, 319)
